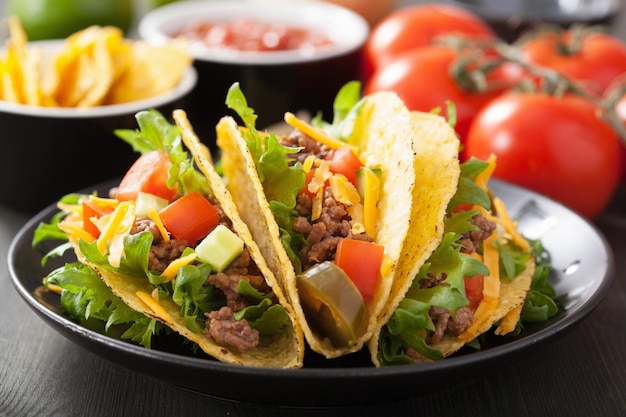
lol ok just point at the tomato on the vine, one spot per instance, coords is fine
(596, 59)
(414, 27)
(557, 146)
(423, 79)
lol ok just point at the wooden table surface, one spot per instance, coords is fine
(581, 374)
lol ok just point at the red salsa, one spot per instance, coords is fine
(252, 35)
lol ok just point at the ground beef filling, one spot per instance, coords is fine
(221, 324)
(445, 323)
(162, 252)
(297, 139)
(323, 235)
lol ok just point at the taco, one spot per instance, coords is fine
(426, 205)
(169, 242)
(332, 209)
(476, 278)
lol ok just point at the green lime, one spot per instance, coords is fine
(57, 19)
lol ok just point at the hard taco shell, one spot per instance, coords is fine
(285, 350)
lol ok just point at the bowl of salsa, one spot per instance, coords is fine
(286, 55)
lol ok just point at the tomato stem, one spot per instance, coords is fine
(478, 58)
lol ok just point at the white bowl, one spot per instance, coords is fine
(273, 81)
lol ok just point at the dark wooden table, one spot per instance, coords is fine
(581, 374)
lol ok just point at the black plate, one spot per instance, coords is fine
(583, 271)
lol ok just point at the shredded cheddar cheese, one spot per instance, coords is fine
(315, 133)
(154, 305)
(491, 258)
(77, 233)
(508, 322)
(509, 225)
(104, 202)
(483, 178)
(172, 269)
(308, 163)
(114, 222)
(343, 190)
(154, 216)
(321, 175)
(491, 289)
(356, 214)
(54, 288)
(316, 208)
(118, 226)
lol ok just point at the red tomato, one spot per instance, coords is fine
(414, 27)
(148, 174)
(556, 146)
(91, 209)
(345, 162)
(423, 81)
(361, 261)
(474, 290)
(598, 59)
(190, 217)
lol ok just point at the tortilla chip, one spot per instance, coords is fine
(20, 75)
(95, 66)
(383, 136)
(84, 70)
(151, 70)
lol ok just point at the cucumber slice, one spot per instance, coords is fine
(220, 248)
(146, 201)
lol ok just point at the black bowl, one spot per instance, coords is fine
(273, 82)
(48, 152)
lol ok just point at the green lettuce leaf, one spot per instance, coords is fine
(86, 299)
(157, 133)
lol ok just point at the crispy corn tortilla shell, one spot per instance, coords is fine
(437, 167)
(437, 170)
(383, 135)
(204, 160)
(278, 351)
(285, 350)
